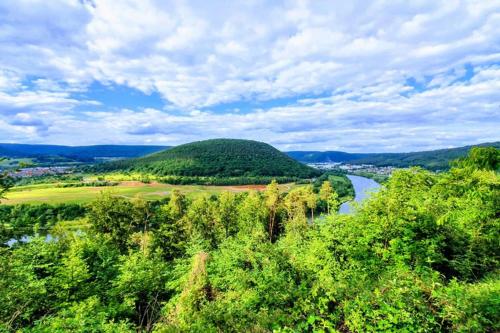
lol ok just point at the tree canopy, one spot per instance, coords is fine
(420, 255)
(217, 157)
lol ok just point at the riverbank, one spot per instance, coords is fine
(362, 188)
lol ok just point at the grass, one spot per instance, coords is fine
(48, 193)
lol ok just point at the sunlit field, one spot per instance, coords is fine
(49, 193)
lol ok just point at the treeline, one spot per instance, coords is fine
(48, 179)
(220, 181)
(97, 183)
(379, 178)
(24, 219)
(421, 255)
(338, 181)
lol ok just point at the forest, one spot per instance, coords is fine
(420, 255)
(217, 157)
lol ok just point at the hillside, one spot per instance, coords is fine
(324, 156)
(433, 159)
(217, 157)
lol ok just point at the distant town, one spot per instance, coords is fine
(40, 171)
(386, 170)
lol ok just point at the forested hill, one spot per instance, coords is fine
(217, 157)
(325, 156)
(433, 159)
(78, 152)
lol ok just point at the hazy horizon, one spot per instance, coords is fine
(300, 75)
(318, 150)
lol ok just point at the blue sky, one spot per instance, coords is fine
(357, 76)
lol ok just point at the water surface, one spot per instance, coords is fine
(362, 188)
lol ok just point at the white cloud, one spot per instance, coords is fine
(356, 55)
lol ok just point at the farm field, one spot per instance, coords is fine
(49, 193)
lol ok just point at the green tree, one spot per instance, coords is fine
(140, 286)
(252, 215)
(6, 182)
(482, 158)
(114, 216)
(177, 205)
(273, 201)
(226, 213)
(311, 201)
(329, 195)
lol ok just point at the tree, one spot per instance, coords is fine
(140, 285)
(329, 195)
(6, 182)
(226, 213)
(295, 203)
(482, 158)
(311, 201)
(252, 215)
(272, 195)
(177, 205)
(202, 223)
(325, 192)
(115, 217)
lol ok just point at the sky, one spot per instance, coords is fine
(357, 76)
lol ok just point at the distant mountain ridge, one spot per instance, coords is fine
(325, 156)
(432, 159)
(216, 157)
(15, 150)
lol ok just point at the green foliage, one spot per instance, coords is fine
(6, 182)
(420, 255)
(470, 307)
(379, 178)
(482, 158)
(218, 157)
(338, 181)
(140, 285)
(90, 184)
(114, 217)
(220, 181)
(25, 220)
(86, 316)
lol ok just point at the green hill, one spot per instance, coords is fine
(433, 159)
(217, 157)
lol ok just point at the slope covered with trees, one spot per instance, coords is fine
(217, 157)
(325, 156)
(432, 160)
(421, 255)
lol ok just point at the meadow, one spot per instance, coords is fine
(52, 194)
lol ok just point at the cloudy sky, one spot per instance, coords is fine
(357, 76)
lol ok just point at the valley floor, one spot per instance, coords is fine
(50, 193)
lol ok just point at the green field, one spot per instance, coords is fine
(49, 193)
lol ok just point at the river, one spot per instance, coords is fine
(362, 188)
